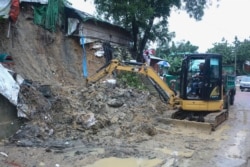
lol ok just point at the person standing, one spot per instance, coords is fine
(147, 57)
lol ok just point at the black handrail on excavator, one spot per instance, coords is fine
(140, 68)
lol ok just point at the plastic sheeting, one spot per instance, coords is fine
(72, 25)
(36, 1)
(14, 10)
(47, 15)
(9, 88)
(5, 8)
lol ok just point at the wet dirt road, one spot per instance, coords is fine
(235, 150)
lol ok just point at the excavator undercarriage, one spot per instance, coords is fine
(211, 120)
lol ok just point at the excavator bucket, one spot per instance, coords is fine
(186, 125)
(210, 123)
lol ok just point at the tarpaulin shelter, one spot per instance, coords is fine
(47, 15)
(9, 9)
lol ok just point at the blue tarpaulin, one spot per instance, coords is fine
(164, 63)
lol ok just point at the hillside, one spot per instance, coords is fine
(50, 58)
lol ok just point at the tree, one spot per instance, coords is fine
(183, 47)
(139, 17)
(225, 49)
(242, 52)
(238, 50)
(174, 54)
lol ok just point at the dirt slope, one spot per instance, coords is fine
(42, 56)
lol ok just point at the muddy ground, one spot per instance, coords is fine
(104, 125)
(127, 132)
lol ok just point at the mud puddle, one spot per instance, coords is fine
(125, 162)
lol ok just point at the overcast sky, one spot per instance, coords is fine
(229, 19)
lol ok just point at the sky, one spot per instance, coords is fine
(227, 20)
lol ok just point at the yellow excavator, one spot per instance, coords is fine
(206, 98)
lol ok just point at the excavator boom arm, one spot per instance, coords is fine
(139, 68)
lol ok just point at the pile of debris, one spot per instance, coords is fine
(71, 113)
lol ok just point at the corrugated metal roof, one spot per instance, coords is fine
(155, 58)
(86, 16)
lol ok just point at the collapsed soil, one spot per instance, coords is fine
(72, 124)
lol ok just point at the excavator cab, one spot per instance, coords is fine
(201, 90)
(201, 80)
(201, 77)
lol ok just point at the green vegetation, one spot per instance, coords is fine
(174, 54)
(130, 79)
(238, 50)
